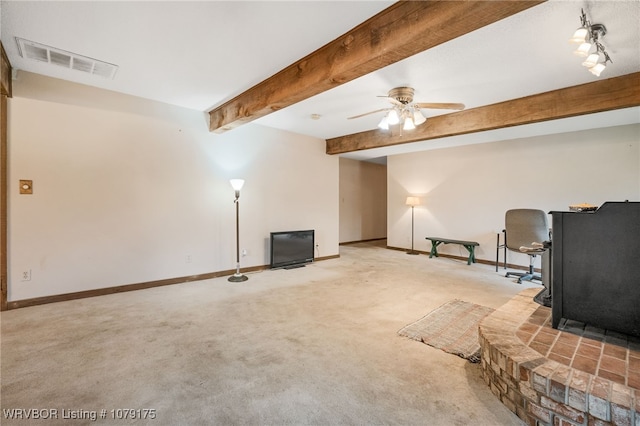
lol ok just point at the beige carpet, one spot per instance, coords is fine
(453, 328)
(310, 346)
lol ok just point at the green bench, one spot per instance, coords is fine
(469, 245)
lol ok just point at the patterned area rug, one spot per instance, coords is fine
(453, 327)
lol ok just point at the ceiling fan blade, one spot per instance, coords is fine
(367, 113)
(390, 99)
(440, 106)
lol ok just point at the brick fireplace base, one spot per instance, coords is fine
(552, 377)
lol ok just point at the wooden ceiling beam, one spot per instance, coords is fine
(398, 32)
(602, 95)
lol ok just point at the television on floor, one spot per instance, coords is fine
(292, 249)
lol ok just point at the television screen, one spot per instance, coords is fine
(291, 248)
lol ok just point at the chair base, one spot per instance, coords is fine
(524, 276)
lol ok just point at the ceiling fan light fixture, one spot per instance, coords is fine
(384, 123)
(408, 124)
(418, 117)
(405, 114)
(393, 117)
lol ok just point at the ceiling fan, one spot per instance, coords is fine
(404, 112)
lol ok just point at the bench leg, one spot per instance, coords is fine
(434, 249)
(472, 254)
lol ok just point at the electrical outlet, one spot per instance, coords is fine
(244, 252)
(26, 275)
(26, 186)
(187, 258)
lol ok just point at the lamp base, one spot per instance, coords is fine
(236, 278)
(413, 252)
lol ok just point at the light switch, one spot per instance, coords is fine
(26, 186)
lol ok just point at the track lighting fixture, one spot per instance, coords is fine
(587, 37)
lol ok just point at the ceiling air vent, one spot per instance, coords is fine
(43, 53)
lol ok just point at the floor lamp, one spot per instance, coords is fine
(237, 186)
(412, 201)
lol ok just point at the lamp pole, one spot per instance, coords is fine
(237, 186)
(412, 201)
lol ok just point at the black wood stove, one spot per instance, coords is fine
(594, 268)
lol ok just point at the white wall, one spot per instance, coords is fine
(466, 190)
(128, 190)
(363, 200)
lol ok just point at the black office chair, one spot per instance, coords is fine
(525, 232)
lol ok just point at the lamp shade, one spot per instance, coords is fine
(597, 69)
(592, 60)
(408, 124)
(412, 201)
(393, 117)
(418, 118)
(384, 124)
(580, 36)
(583, 49)
(237, 184)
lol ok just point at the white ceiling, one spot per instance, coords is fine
(200, 54)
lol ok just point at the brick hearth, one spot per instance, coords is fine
(553, 377)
